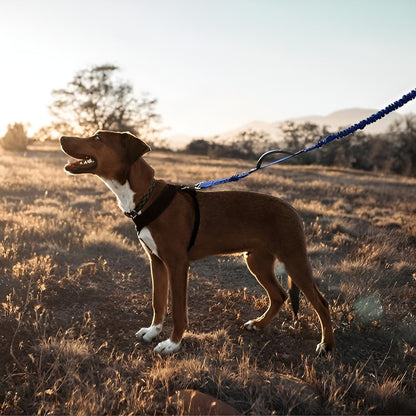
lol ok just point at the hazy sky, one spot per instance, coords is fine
(212, 64)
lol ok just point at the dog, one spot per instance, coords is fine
(178, 225)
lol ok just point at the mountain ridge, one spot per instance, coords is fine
(334, 121)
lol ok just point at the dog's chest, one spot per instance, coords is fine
(146, 238)
(125, 197)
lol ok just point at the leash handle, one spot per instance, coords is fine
(270, 152)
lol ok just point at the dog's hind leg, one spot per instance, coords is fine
(261, 266)
(301, 273)
(159, 299)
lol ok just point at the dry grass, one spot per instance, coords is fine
(75, 287)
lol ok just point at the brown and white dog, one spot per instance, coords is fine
(192, 225)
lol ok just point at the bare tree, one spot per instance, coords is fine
(95, 100)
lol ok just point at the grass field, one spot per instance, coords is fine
(75, 287)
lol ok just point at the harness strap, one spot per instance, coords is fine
(159, 205)
(162, 201)
(192, 192)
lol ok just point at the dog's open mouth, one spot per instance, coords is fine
(84, 164)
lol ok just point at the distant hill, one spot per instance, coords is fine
(334, 121)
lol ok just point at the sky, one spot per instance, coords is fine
(213, 65)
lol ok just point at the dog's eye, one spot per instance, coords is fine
(97, 138)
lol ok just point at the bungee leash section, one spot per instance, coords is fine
(346, 132)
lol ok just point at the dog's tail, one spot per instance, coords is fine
(294, 296)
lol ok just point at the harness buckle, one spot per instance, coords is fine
(132, 214)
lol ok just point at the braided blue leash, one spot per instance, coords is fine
(346, 132)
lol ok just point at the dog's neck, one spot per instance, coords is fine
(137, 184)
(124, 193)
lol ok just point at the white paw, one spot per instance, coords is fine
(147, 334)
(167, 347)
(321, 349)
(250, 326)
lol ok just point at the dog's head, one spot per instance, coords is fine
(107, 154)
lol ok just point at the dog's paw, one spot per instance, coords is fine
(322, 350)
(148, 334)
(167, 347)
(251, 326)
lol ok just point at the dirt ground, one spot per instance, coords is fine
(76, 287)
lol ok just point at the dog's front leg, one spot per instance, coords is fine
(178, 277)
(159, 299)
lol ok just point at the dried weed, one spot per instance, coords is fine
(75, 287)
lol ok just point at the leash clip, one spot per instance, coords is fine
(195, 187)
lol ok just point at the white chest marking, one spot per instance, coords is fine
(146, 237)
(124, 194)
(125, 198)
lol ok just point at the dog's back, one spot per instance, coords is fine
(259, 221)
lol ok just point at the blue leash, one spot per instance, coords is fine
(346, 132)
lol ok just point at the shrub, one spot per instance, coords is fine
(15, 137)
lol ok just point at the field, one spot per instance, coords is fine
(75, 287)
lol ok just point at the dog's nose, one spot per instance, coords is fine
(65, 142)
(65, 139)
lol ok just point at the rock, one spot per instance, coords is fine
(193, 402)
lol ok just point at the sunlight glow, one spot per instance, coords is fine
(212, 66)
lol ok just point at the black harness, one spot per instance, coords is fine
(163, 200)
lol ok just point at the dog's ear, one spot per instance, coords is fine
(134, 147)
